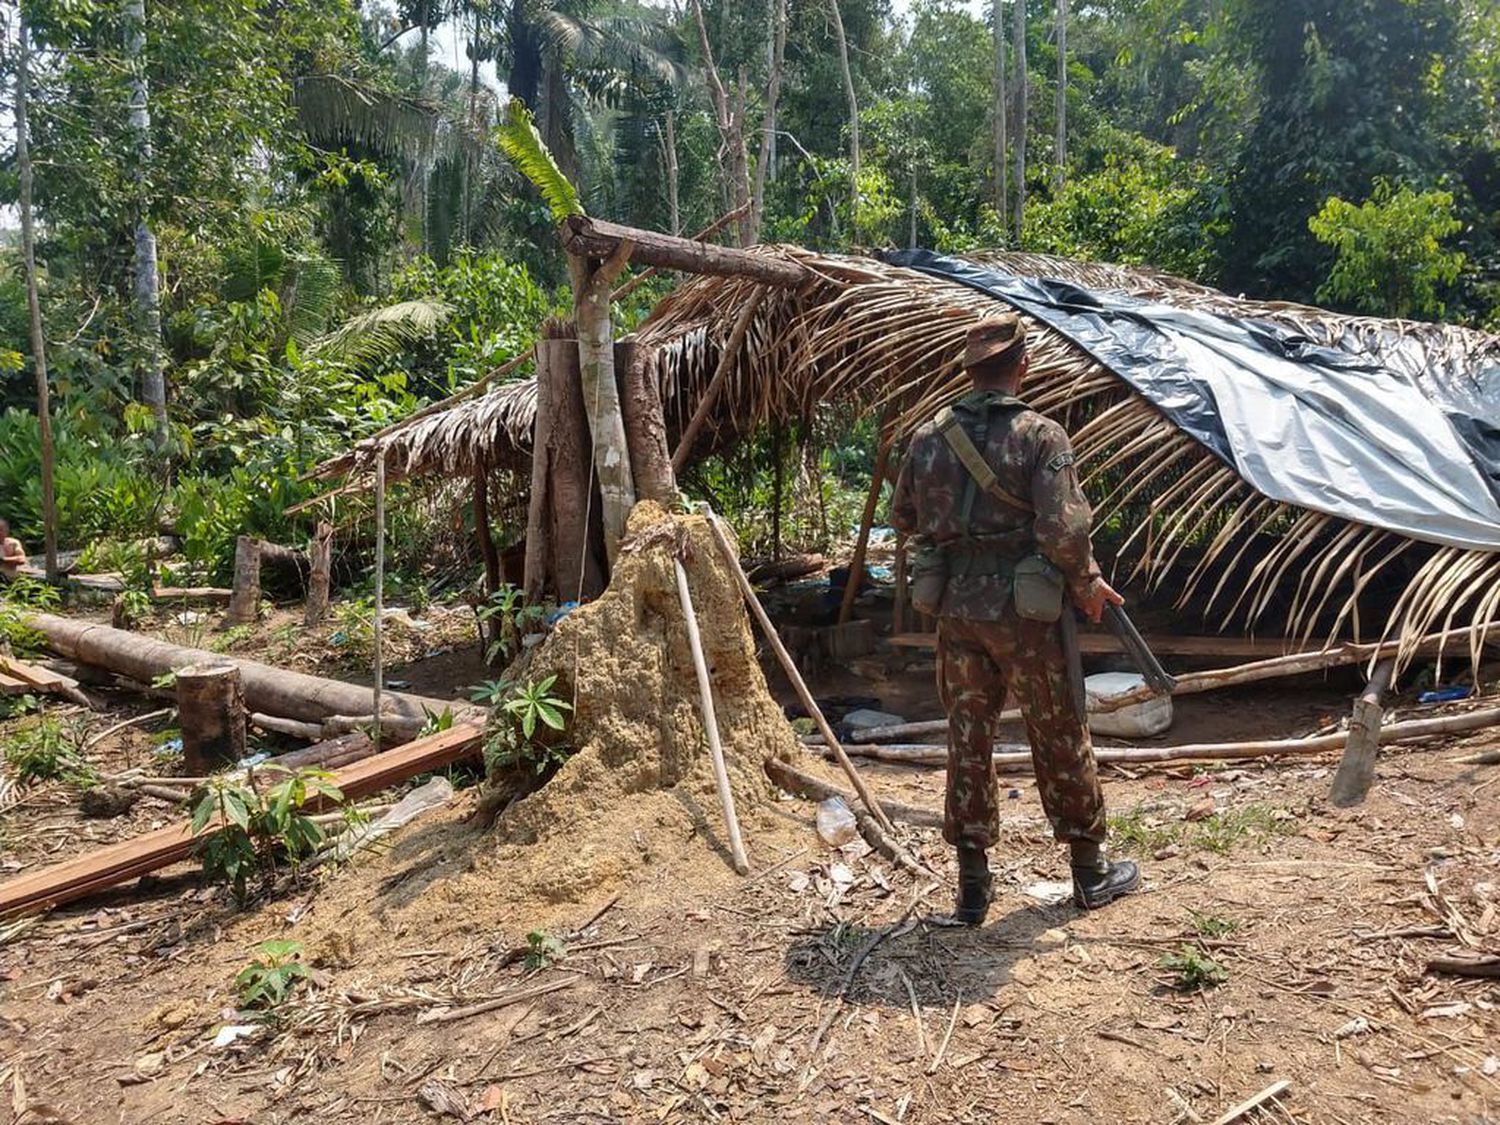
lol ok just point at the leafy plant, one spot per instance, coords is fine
(131, 607)
(267, 982)
(1211, 925)
(543, 948)
(231, 637)
(1194, 969)
(261, 830)
(503, 621)
(520, 713)
(492, 693)
(436, 724)
(42, 749)
(521, 142)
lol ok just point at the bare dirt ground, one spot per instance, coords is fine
(610, 966)
(826, 987)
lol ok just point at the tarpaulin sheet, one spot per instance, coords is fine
(1392, 432)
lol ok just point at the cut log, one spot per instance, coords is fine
(114, 864)
(288, 564)
(244, 605)
(210, 595)
(271, 691)
(1356, 772)
(784, 570)
(328, 754)
(1016, 756)
(211, 713)
(645, 423)
(592, 238)
(320, 553)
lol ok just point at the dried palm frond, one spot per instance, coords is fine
(874, 337)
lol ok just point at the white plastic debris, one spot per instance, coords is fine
(1048, 893)
(1138, 720)
(233, 1033)
(836, 825)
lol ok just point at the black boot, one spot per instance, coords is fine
(1100, 884)
(974, 883)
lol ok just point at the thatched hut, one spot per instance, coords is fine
(886, 340)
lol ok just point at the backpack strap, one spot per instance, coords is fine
(979, 470)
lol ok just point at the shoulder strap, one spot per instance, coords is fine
(959, 441)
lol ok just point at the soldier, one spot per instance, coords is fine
(989, 494)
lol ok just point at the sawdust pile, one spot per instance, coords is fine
(640, 789)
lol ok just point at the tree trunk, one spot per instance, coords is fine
(274, 691)
(211, 713)
(33, 300)
(645, 423)
(669, 160)
(561, 557)
(379, 655)
(1059, 171)
(244, 606)
(601, 394)
(843, 44)
(147, 287)
(320, 551)
(1002, 185)
(1021, 95)
(594, 238)
(731, 131)
(487, 549)
(862, 543)
(768, 126)
(1356, 772)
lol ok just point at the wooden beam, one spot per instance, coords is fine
(866, 519)
(728, 361)
(1099, 644)
(116, 863)
(594, 238)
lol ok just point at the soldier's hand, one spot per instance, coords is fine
(1100, 594)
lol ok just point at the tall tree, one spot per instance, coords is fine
(767, 155)
(843, 45)
(730, 119)
(1060, 165)
(1021, 95)
(147, 284)
(33, 300)
(1002, 187)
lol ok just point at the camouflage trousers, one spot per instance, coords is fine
(978, 662)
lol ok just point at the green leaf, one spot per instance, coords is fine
(234, 808)
(550, 715)
(204, 810)
(521, 142)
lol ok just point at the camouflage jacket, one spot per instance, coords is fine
(1032, 459)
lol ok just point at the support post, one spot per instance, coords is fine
(320, 556)
(540, 566)
(711, 723)
(862, 544)
(899, 602)
(244, 605)
(601, 394)
(379, 590)
(487, 548)
(1356, 772)
(211, 712)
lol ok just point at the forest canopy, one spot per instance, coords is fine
(264, 230)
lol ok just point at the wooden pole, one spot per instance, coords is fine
(379, 592)
(1356, 772)
(900, 601)
(778, 486)
(540, 567)
(211, 713)
(320, 552)
(33, 300)
(862, 544)
(790, 668)
(482, 534)
(711, 722)
(1019, 756)
(601, 393)
(244, 604)
(728, 360)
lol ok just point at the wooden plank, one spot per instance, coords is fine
(10, 685)
(42, 679)
(116, 863)
(594, 238)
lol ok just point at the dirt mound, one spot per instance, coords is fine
(642, 758)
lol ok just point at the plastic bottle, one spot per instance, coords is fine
(836, 825)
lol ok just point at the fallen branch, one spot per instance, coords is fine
(139, 720)
(1465, 966)
(1010, 755)
(794, 780)
(1274, 1090)
(450, 1015)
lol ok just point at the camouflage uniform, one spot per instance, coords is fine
(984, 647)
